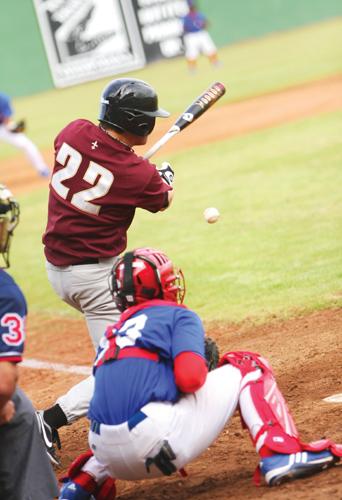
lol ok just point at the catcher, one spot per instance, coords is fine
(12, 133)
(156, 408)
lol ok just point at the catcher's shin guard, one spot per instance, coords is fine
(80, 484)
(265, 413)
(262, 407)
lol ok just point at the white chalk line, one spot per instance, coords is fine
(36, 364)
(335, 398)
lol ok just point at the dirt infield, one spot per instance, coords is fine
(306, 356)
(305, 352)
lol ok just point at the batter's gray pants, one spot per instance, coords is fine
(25, 469)
(85, 288)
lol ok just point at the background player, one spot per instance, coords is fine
(11, 132)
(197, 39)
(155, 408)
(97, 183)
(25, 470)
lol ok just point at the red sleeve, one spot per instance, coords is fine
(190, 371)
(153, 196)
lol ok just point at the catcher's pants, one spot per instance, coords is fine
(25, 469)
(21, 141)
(190, 426)
(85, 288)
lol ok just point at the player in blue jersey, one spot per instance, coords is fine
(25, 469)
(12, 133)
(197, 39)
(156, 408)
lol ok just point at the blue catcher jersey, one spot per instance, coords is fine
(123, 386)
(13, 311)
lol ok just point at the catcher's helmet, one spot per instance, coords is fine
(9, 218)
(145, 274)
(130, 105)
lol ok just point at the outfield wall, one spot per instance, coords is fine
(24, 65)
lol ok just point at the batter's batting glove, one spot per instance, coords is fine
(17, 127)
(166, 173)
(212, 354)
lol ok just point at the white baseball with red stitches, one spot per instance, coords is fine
(211, 215)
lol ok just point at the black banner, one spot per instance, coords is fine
(161, 28)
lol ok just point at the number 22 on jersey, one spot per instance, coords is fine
(99, 177)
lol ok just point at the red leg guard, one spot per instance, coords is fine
(77, 464)
(105, 491)
(264, 411)
(262, 407)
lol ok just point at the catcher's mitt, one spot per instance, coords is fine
(18, 127)
(212, 354)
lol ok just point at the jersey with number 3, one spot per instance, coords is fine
(124, 386)
(96, 185)
(13, 311)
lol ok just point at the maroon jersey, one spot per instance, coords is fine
(96, 185)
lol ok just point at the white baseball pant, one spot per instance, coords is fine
(85, 287)
(21, 141)
(190, 426)
(198, 43)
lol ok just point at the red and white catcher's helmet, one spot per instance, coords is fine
(145, 274)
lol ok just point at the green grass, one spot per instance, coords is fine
(251, 68)
(275, 250)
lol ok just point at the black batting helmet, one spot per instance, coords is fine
(130, 105)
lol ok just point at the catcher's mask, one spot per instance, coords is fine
(145, 274)
(9, 218)
(130, 105)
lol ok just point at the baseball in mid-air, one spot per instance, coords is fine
(211, 215)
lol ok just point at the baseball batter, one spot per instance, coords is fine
(98, 182)
(155, 407)
(12, 133)
(25, 470)
(197, 39)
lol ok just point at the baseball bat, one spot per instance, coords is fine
(191, 114)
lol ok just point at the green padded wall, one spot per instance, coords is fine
(233, 20)
(24, 66)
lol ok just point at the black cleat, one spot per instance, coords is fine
(50, 438)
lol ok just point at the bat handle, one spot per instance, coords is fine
(170, 133)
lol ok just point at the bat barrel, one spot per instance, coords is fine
(194, 111)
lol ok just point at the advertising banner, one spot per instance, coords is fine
(89, 39)
(161, 28)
